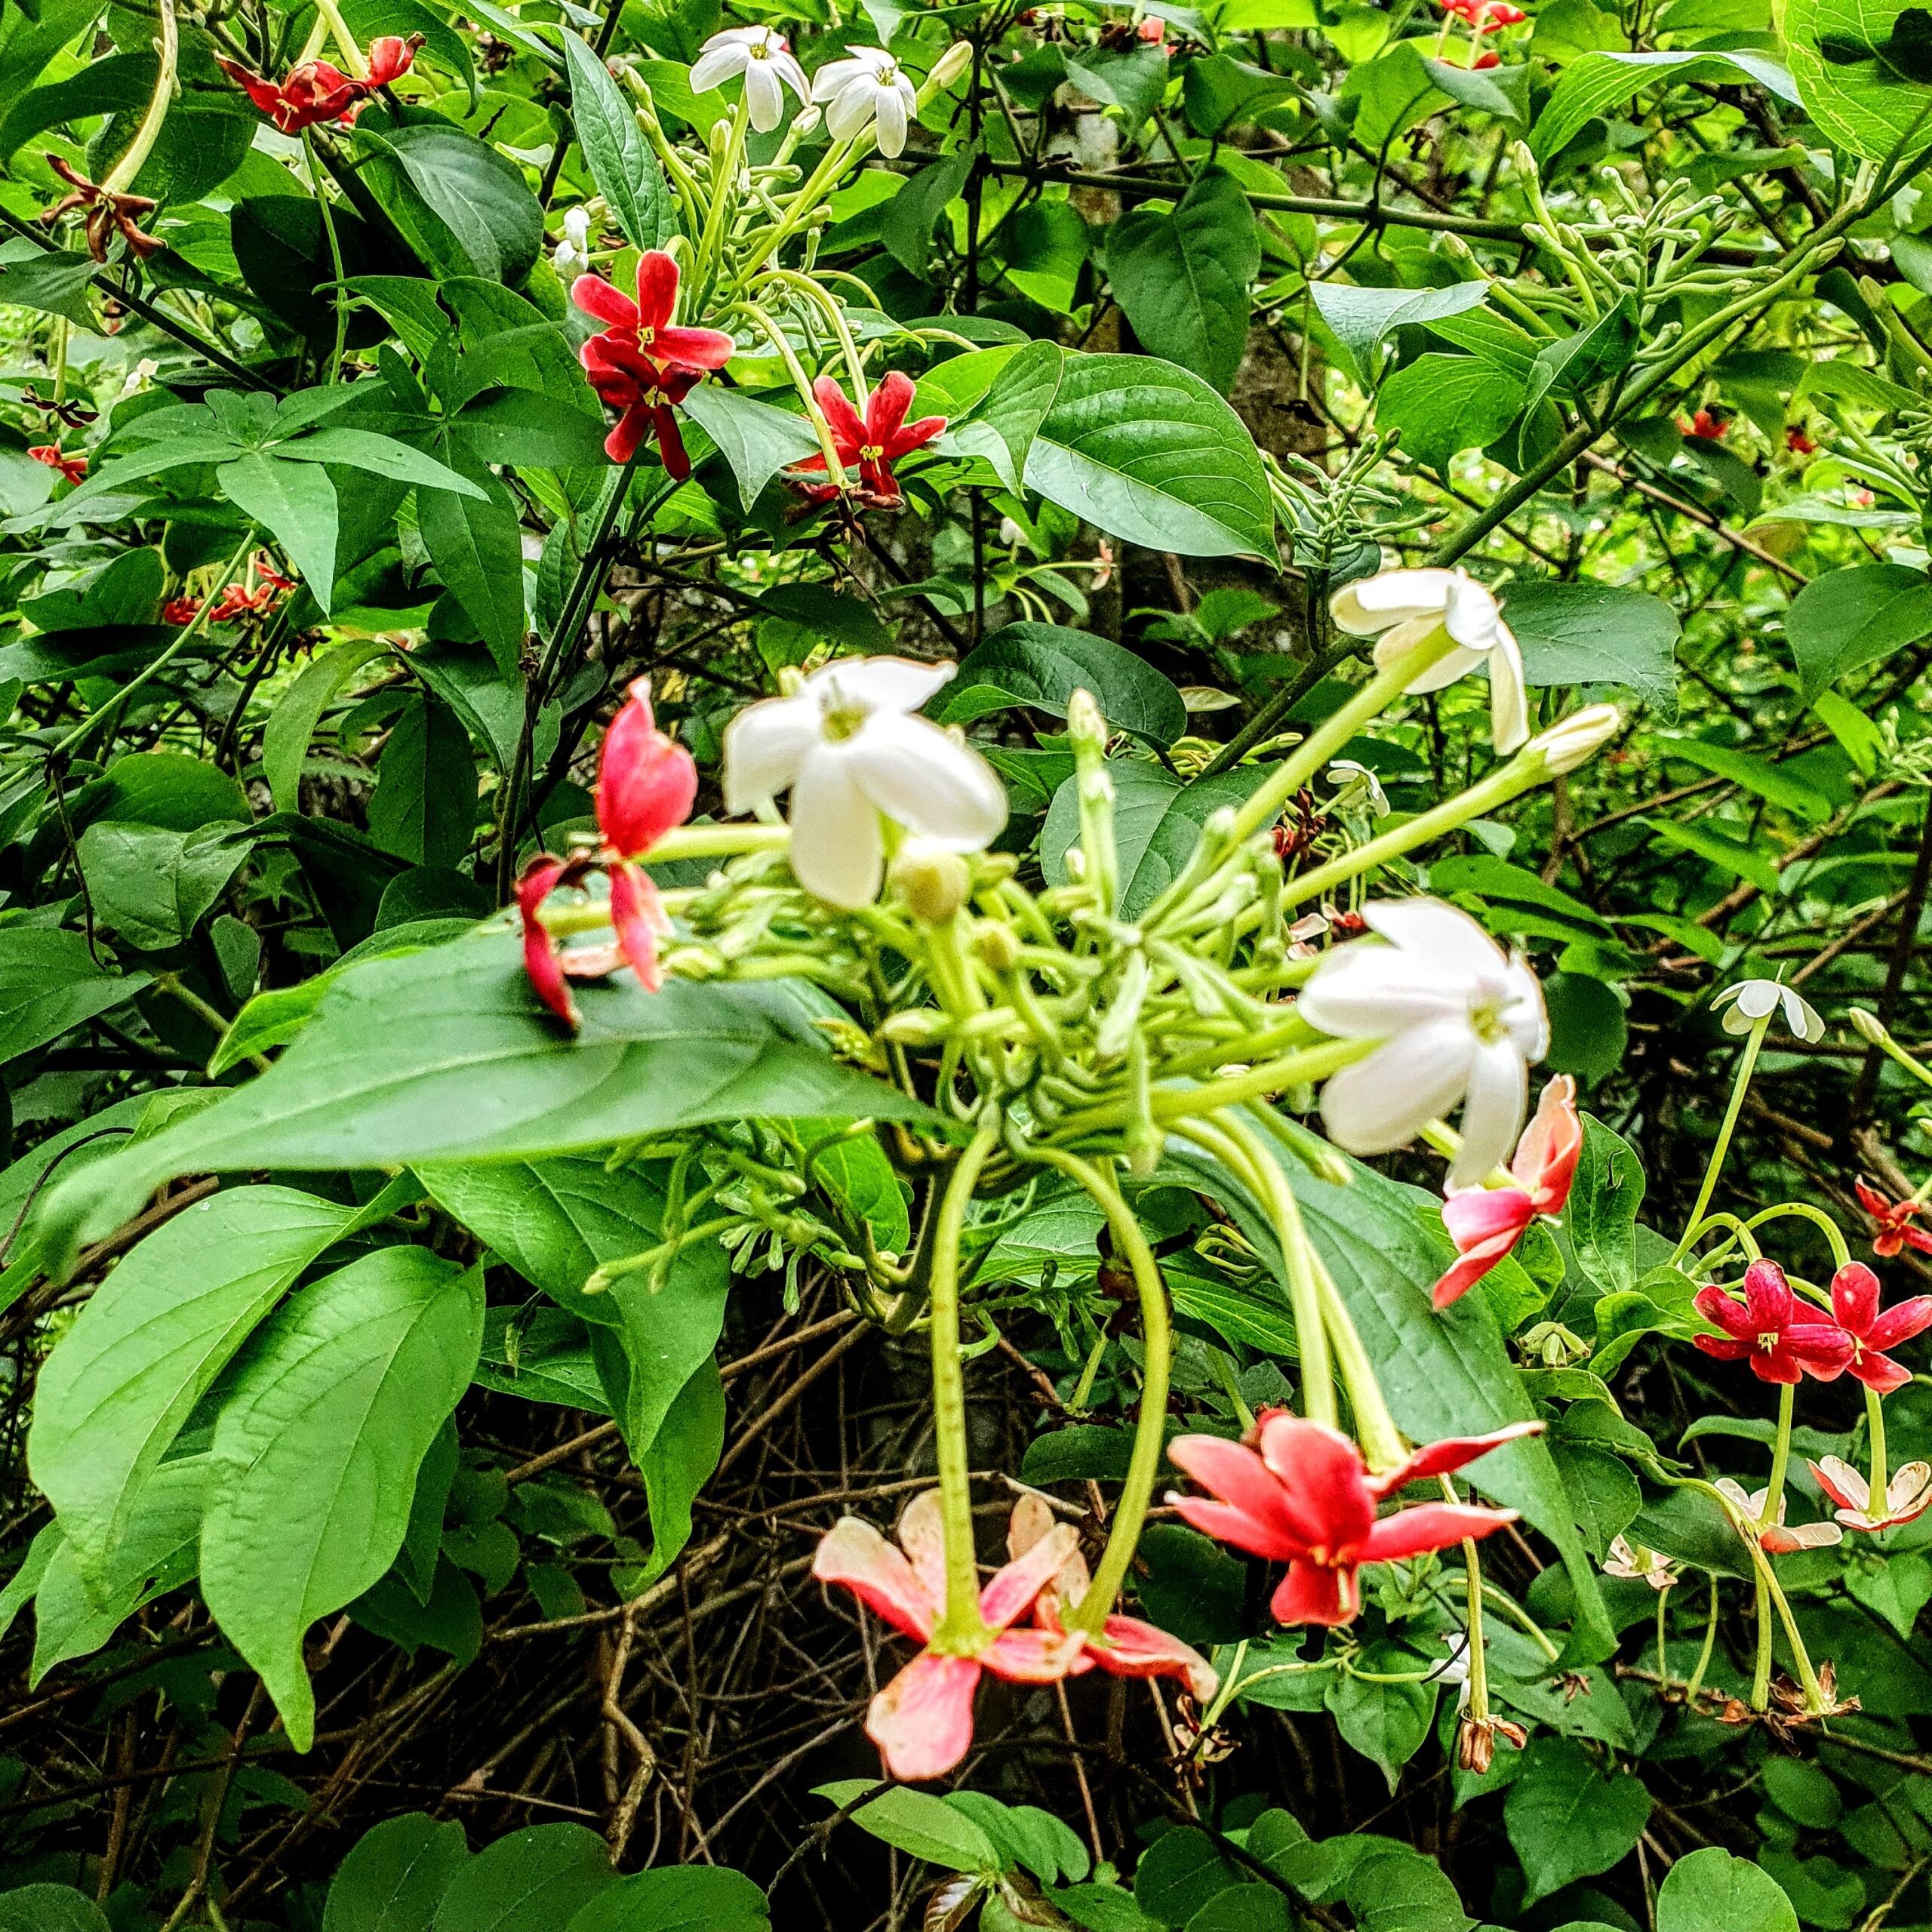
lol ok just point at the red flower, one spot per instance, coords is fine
(871, 446)
(1798, 442)
(181, 610)
(74, 468)
(1705, 427)
(1152, 29)
(646, 784)
(317, 91)
(1893, 1228)
(640, 364)
(1485, 1222)
(106, 214)
(922, 1721)
(1303, 1497)
(1488, 58)
(1764, 1329)
(1855, 1302)
(1486, 16)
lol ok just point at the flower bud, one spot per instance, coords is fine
(646, 782)
(998, 946)
(1566, 744)
(919, 1026)
(1868, 1026)
(933, 881)
(947, 69)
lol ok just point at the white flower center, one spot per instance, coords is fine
(842, 717)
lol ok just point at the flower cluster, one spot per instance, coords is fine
(1892, 1220)
(763, 56)
(646, 784)
(1767, 1328)
(316, 91)
(237, 602)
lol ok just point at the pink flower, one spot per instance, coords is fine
(646, 784)
(1907, 1496)
(1302, 1496)
(1776, 1539)
(1764, 1329)
(642, 365)
(1485, 1222)
(922, 1721)
(873, 443)
(1892, 1219)
(1855, 1302)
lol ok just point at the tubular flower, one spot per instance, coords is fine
(1400, 608)
(1855, 1303)
(922, 1721)
(1460, 1021)
(646, 784)
(1302, 1496)
(763, 56)
(850, 747)
(872, 444)
(868, 86)
(317, 91)
(642, 365)
(1776, 1539)
(73, 468)
(1764, 1329)
(1128, 1647)
(1484, 1222)
(1892, 1219)
(107, 214)
(1908, 1495)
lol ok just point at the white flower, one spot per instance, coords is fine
(1633, 1561)
(1356, 785)
(1774, 1537)
(868, 86)
(1400, 608)
(1750, 1000)
(573, 255)
(1908, 1495)
(849, 747)
(763, 56)
(1455, 1671)
(1461, 1020)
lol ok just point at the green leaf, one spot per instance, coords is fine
(49, 983)
(1360, 319)
(1043, 665)
(1008, 417)
(56, 282)
(1386, 1722)
(525, 428)
(1601, 1218)
(1711, 1890)
(1157, 822)
(1730, 855)
(681, 1453)
(299, 710)
(1149, 454)
(915, 1822)
(1595, 83)
(1868, 107)
(464, 208)
(328, 1418)
(1595, 634)
(447, 1054)
(1443, 405)
(424, 809)
(756, 438)
(1776, 783)
(1659, 1303)
(1567, 1819)
(49, 1909)
(916, 209)
(621, 162)
(1848, 619)
(381, 456)
(677, 1898)
(1178, 1874)
(533, 1881)
(1588, 1031)
(1182, 277)
(296, 503)
(396, 1876)
(154, 887)
(476, 544)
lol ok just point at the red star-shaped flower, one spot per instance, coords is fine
(1872, 1332)
(1763, 1329)
(317, 91)
(1892, 1227)
(872, 444)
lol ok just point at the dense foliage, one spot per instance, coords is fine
(1258, 1264)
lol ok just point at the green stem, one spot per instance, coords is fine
(724, 191)
(1091, 1613)
(1780, 1452)
(1381, 1440)
(1758, 1029)
(1760, 1674)
(1663, 1664)
(1875, 1427)
(1697, 1682)
(335, 257)
(121, 179)
(352, 48)
(961, 1630)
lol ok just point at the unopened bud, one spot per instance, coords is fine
(1568, 743)
(1868, 1025)
(932, 882)
(1522, 160)
(806, 120)
(1083, 720)
(999, 947)
(923, 1027)
(947, 68)
(1456, 249)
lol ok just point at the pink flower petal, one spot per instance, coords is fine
(922, 1721)
(1009, 1593)
(1323, 1479)
(1314, 1593)
(1254, 1515)
(1033, 1656)
(1136, 1649)
(853, 1554)
(1452, 1453)
(1430, 1526)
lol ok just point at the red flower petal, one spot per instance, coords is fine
(1316, 1593)
(922, 1721)
(595, 296)
(1855, 1298)
(1897, 1324)
(656, 289)
(1725, 1312)
(1430, 1526)
(853, 1554)
(541, 959)
(1767, 1296)
(646, 782)
(1323, 1481)
(1453, 1453)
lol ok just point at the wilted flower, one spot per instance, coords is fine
(1775, 1539)
(1892, 1229)
(1461, 1020)
(849, 744)
(1303, 1496)
(646, 784)
(922, 1721)
(642, 365)
(1632, 1560)
(1400, 608)
(73, 468)
(317, 91)
(1908, 1495)
(1750, 1001)
(763, 56)
(1855, 1303)
(107, 213)
(1355, 784)
(868, 85)
(1484, 1222)
(870, 445)
(1764, 1329)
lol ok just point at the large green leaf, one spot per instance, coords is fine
(621, 162)
(1043, 665)
(1594, 84)
(1444, 405)
(533, 1881)
(296, 503)
(1360, 319)
(1847, 620)
(756, 438)
(396, 1876)
(50, 1908)
(1595, 634)
(327, 1421)
(299, 710)
(152, 886)
(676, 1898)
(50, 982)
(1149, 453)
(463, 207)
(424, 809)
(1182, 277)
(1444, 1372)
(1846, 65)
(1713, 1890)
(149, 1342)
(447, 1054)
(1567, 1819)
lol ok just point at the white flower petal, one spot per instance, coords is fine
(1363, 991)
(764, 98)
(926, 780)
(716, 65)
(1801, 1017)
(1508, 703)
(838, 850)
(1524, 1012)
(1396, 644)
(893, 113)
(786, 67)
(878, 683)
(1757, 998)
(1499, 1093)
(1445, 939)
(764, 746)
(1382, 1103)
(1470, 612)
(1373, 604)
(850, 112)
